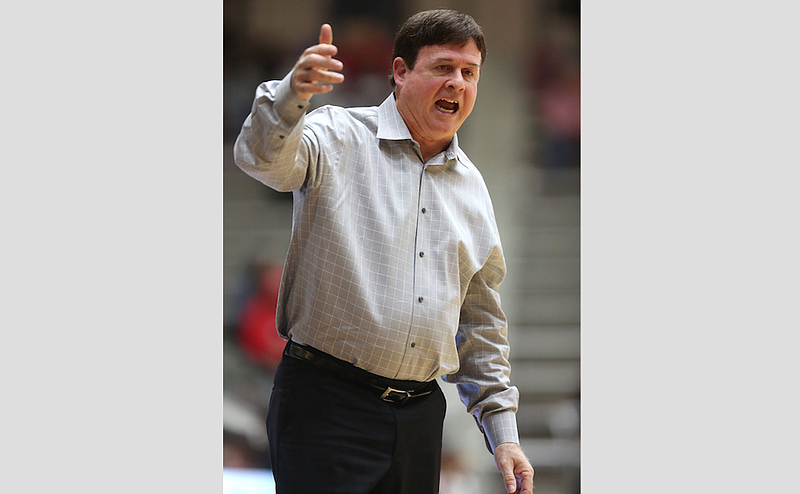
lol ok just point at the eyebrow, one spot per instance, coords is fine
(444, 59)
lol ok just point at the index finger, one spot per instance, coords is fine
(326, 34)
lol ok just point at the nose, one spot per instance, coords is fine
(457, 81)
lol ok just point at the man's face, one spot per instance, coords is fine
(438, 94)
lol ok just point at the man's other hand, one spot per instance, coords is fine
(515, 467)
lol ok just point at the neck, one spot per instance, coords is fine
(429, 146)
(430, 150)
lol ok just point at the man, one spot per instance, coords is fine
(392, 271)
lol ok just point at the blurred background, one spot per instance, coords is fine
(524, 136)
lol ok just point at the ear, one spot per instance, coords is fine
(399, 69)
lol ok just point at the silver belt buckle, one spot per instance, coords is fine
(385, 395)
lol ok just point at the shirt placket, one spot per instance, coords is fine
(421, 266)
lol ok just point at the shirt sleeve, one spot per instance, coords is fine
(484, 377)
(272, 147)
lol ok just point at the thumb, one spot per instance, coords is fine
(509, 479)
(326, 34)
(511, 485)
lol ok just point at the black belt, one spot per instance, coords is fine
(388, 390)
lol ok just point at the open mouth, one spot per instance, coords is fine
(447, 105)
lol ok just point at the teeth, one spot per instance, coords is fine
(448, 110)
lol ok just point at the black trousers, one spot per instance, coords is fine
(332, 436)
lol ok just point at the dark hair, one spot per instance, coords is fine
(435, 27)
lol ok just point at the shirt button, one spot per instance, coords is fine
(420, 299)
(424, 210)
(421, 254)
(413, 344)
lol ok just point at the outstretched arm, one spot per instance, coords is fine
(271, 146)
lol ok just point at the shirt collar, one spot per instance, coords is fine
(390, 123)
(391, 126)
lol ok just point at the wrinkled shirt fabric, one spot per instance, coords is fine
(394, 264)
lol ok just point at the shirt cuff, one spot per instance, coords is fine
(287, 105)
(500, 427)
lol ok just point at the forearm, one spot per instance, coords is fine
(494, 408)
(500, 427)
(484, 377)
(270, 146)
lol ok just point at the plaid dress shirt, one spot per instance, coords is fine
(393, 264)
